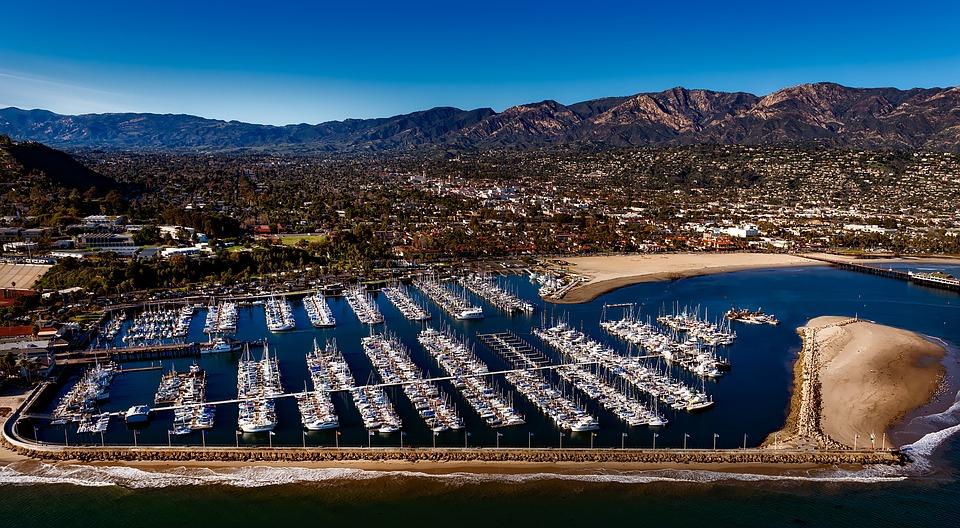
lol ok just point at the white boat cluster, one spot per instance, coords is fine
(689, 354)
(487, 288)
(581, 349)
(113, 326)
(377, 412)
(551, 285)
(82, 398)
(700, 328)
(552, 402)
(319, 311)
(400, 298)
(221, 319)
(160, 324)
(258, 382)
(94, 423)
(392, 362)
(456, 305)
(187, 391)
(328, 372)
(467, 370)
(745, 315)
(279, 314)
(618, 400)
(362, 304)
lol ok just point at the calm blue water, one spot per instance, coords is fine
(751, 399)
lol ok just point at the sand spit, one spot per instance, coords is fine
(855, 379)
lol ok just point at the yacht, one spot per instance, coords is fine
(137, 414)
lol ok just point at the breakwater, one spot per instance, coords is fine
(481, 455)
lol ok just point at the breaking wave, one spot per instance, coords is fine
(258, 476)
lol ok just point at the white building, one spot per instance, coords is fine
(744, 231)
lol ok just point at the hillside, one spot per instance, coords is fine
(822, 114)
(18, 161)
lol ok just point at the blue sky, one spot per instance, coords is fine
(289, 62)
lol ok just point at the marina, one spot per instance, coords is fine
(688, 353)
(398, 295)
(467, 369)
(632, 369)
(319, 311)
(81, 401)
(159, 326)
(363, 305)
(486, 287)
(279, 314)
(392, 362)
(602, 382)
(221, 319)
(530, 381)
(328, 372)
(258, 382)
(455, 304)
(698, 327)
(187, 392)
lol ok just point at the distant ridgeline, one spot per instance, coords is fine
(823, 114)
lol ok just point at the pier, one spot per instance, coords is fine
(888, 273)
(139, 353)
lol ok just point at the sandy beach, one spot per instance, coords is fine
(605, 273)
(608, 272)
(856, 377)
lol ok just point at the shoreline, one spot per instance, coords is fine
(607, 273)
(855, 381)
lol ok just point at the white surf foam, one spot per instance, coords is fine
(258, 476)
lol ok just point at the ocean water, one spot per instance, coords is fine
(752, 399)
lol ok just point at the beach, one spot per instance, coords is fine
(855, 380)
(606, 273)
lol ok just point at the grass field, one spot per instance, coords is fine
(292, 240)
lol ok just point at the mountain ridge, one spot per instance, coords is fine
(825, 113)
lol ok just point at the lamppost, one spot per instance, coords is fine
(66, 441)
(270, 437)
(499, 434)
(561, 439)
(369, 436)
(203, 437)
(466, 436)
(715, 436)
(685, 436)
(529, 440)
(855, 438)
(169, 441)
(237, 435)
(873, 441)
(134, 438)
(35, 433)
(303, 436)
(434, 439)
(744, 440)
(623, 440)
(592, 436)
(336, 439)
(655, 435)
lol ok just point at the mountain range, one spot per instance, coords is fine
(824, 114)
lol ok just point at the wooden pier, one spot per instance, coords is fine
(514, 350)
(882, 272)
